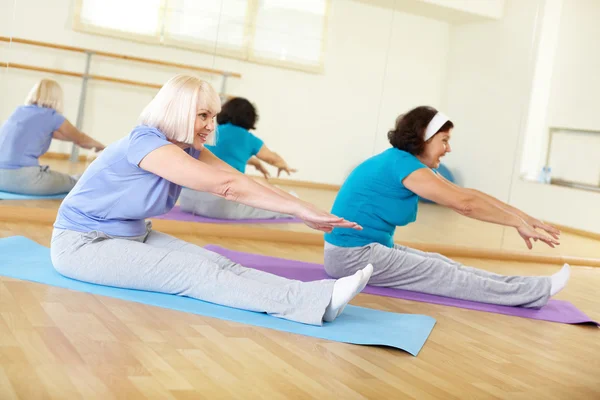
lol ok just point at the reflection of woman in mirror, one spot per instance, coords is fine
(101, 235)
(238, 147)
(382, 193)
(26, 136)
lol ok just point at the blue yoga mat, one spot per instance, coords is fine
(22, 258)
(16, 196)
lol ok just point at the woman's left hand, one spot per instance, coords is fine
(527, 232)
(261, 168)
(537, 224)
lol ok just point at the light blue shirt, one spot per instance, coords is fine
(235, 146)
(374, 197)
(26, 135)
(115, 195)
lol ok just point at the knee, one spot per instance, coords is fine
(334, 268)
(186, 205)
(63, 262)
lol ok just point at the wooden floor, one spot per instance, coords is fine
(56, 343)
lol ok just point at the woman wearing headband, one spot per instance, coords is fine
(382, 193)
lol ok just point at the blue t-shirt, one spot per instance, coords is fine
(115, 195)
(26, 135)
(235, 145)
(374, 197)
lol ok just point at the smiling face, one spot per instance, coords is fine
(203, 127)
(435, 149)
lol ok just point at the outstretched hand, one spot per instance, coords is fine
(537, 224)
(92, 144)
(323, 221)
(261, 168)
(285, 168)
(528, 233)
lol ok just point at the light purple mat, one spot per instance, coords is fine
(555, 311)
(178, 215)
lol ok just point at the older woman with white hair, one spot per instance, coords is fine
(26, 136)
(101, 235)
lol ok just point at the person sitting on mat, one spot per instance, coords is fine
(238, 147)
(26, 136)
(101, 235)
(382, 193)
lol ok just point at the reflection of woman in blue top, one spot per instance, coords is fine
(101, 236)
(238, 147)
(26, 136)
(382, 193)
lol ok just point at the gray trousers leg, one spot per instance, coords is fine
(161, 263)
(404, 268)
(209, 205)
(37, 181)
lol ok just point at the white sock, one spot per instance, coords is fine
(367, 271)
(344, 290)
(559, 279)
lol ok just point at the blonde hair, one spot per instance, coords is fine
(46, 93)
(174, 108)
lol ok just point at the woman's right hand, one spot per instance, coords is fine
(324, 221)
(92, 144)
(261, 168)
(527, 232)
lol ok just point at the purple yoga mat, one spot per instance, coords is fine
(178, 215)
(555, 311)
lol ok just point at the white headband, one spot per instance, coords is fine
(435, 124)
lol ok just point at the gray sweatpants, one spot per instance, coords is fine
(37, 181)
(405, 268)
(209, 205)
(161, 263)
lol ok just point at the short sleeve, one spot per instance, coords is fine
(56, 120)
(193, 152)
(406, 164)
(255, 144)
(142, 142)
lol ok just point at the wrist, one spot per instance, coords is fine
(517, 222)
(297, 209)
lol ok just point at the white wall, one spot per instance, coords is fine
(488, 99)
(453, 11)
(574, 101)
(486, 90)
(322, 124)
(573, 104)
(535, 141)
(484, 8)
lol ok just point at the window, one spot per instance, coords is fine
(284, 33)
(136, 19)
(289, 31)
(573, 156)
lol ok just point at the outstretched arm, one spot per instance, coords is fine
(209, 158)
(67, 132)
(173, 164)
(255, 162)
(536, 223)
(274, 159)
(426, 184)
